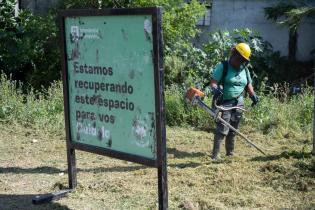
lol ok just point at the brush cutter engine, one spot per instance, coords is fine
(192, 95)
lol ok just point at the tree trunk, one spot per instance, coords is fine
(313, 152)
(293, 35)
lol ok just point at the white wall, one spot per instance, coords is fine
(231, 14)
(306, 39)
(38, 6)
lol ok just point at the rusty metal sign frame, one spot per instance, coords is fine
(160, 161)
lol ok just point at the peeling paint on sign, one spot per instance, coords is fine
(143, 129)
(148, 29)
(140, 130)
(148, 26)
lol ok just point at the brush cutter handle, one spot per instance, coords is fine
(193, 96)
(222, 108)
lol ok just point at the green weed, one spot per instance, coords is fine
(42, 110)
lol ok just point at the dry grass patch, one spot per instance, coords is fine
(34, 162)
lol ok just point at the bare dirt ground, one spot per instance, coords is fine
(32, 162)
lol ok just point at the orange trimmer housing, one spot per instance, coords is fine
(192, 92)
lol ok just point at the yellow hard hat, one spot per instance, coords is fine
(244, 50)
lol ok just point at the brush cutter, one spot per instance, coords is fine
(193, 96)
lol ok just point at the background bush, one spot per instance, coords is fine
(28, 53)
(179, 113)
(38, 109)
(28, 49)
(199, 62)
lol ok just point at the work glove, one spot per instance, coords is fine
(254, 99)
(216, 91)
(217, 94)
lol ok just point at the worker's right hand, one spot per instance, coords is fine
(217, 94)
(254, 99)
(216, 91)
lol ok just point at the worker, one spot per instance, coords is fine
(234, 76)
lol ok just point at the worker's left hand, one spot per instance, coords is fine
(254, 99)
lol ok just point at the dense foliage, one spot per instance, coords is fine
(28, 47)
(29, 53)
(199, 62)
(292, 11)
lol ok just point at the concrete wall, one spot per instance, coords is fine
(230, 14)
(38, 7)
(306, 40)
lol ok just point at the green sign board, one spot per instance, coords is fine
(113, 89)
(112, 85)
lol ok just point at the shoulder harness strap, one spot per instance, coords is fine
(247, 76)
(225, 70)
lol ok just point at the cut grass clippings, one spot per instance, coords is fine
(34, 162)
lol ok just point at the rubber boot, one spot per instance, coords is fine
(229, 143)
(218, 137)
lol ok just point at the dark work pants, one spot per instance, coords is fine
(232, 117)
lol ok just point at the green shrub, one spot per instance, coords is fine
(28, 47)
(175, 106)
(180, 113)
(174, 68)
(198, 68)
(200, 62)
(283, 117)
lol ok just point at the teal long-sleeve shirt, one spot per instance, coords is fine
(235, 80)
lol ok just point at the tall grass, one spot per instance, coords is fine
(281, 117)
(287, 117)
(292, 116)
(42, 110)
(179, 113)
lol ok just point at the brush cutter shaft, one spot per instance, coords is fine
(202, 105)
(214, 114)
(242, 135)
